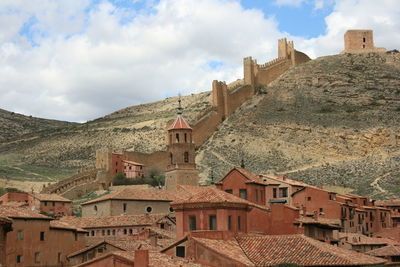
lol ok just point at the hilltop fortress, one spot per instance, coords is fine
(225, 99)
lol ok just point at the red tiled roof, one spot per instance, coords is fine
(113, 221)
(158, 259)
(15, 204)
(333, 223)
(247, 174)
(63, 225)
(385, 251)
(265, 250)
(228, 248)
(19, 212)
(51, 197)
(133, 162)
(359, 239)
(136, 194)
(179, 123)
(388, 203)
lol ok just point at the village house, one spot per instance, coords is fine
(217, 250)
(362, 243)
(394, 206)
(129, 201)
(49, 204)
(118, 226)
(390, 253)
(34, 239)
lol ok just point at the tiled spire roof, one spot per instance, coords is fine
(180, 122)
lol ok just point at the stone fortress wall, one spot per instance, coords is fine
(225, 98)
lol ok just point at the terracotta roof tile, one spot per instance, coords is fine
(63, 225)
(385, 251)
(133, 162)
(159, 259)
(228, 248)
(264, 250)
(136, 194)
(113, 221)
(51, 197)
(359, 239)
(20, 212)
(334, 223)
(179, 123)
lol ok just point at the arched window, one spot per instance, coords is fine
(177, 138)
(186, 157)
(171, 157)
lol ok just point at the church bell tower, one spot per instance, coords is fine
(181, 168)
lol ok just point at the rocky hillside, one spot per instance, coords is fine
(15, 126)
(334, 120)
(57, 152)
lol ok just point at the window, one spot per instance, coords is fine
(256, 192)
(229, 191)
(100, 250)
(130, 231)
(180, 251)
(186, 157)
(229, 223)
(41, 236)
(274, 193)
(37, 257)
(177, 138)
(364, 40)
(212, 222)
(149, 209)
(185, 138)
(125, 231)
(45, 203)
(171, 209)
(170, 138)
(124, 207)
(239, 224)
(53, 203)
(20, 235)
(243, 193)
(59, 257)
(95, 208)
(76, 236)
(283, 192)
(192, 223)
(321, 209)
(92, 233)
(103, 232)
(113, 232)
(19, 258)
(108, 232)
(308, 198)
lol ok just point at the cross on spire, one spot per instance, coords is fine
(179, 110)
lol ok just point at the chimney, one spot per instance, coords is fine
(141, 258)
(153, 240)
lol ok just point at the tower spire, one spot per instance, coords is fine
(179, 110)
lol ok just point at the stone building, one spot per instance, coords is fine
(119, 226)
(50, 204)
(129, 201)
(360, 41)
(34, 239)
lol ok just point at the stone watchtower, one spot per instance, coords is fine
(181, 168)
(360, 41)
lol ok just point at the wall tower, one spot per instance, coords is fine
(181, 168)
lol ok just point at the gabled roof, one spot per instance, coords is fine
(65, 226)
(179, 123)
(136, 194)
(267, 250)
(113, 221)
(386, 251)
(21, 213)
(251, 177)
(359, 239)
(51, 197)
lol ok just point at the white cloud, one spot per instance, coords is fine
(87, 63)
(295, 3)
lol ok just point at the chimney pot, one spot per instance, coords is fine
(141, 258)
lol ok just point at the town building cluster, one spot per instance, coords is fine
(244, 219)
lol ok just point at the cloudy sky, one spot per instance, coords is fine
(77, 60)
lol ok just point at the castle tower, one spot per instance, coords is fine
(181, 168)
(360, 41)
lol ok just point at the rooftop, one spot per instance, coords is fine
(386, 251)
(267, 250)
(179, 123)
(63, 225)
(113, 221)
(136, 194)
(20, 212)
(359, 239)
(51, 197)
